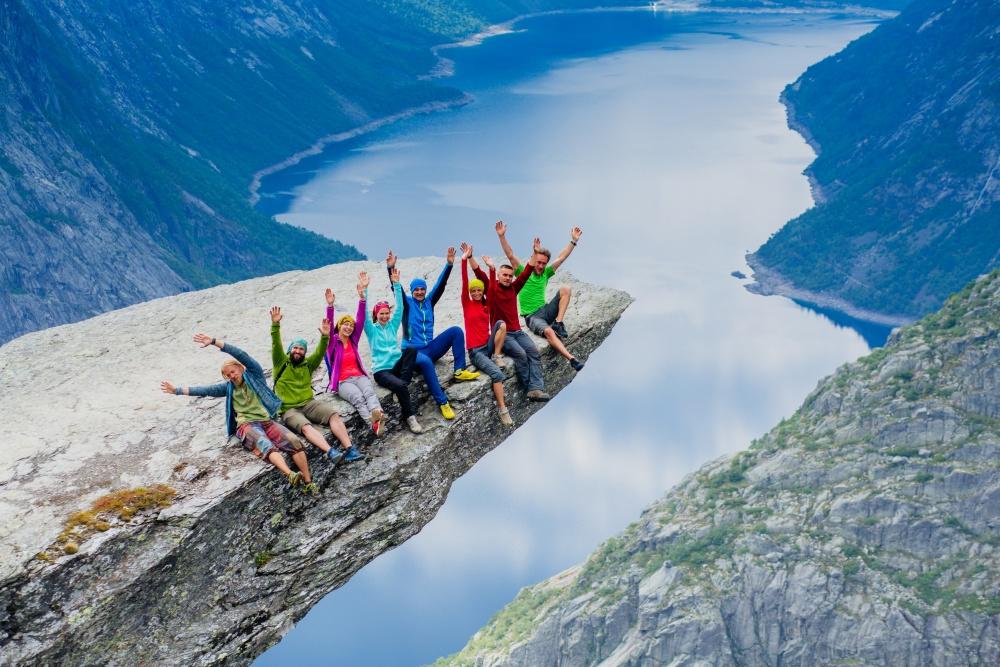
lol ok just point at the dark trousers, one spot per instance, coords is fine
(397, 380)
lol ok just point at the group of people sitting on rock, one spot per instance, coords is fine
(270, 422)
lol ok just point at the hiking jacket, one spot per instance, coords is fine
(418, 316)
(335, 352)
(383, 340)
(293, 382)
(253, 376)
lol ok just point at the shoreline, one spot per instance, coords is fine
(819, 196)
(445, 68)
(767, 281)
(338, 137)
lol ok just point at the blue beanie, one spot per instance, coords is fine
(418, 283)
(300, 342)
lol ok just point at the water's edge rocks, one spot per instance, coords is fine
(237, 557)
(863, 529)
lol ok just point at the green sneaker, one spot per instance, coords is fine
(294, 478)
(310, 489)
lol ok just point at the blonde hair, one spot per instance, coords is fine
(231, 362)
(344, 318)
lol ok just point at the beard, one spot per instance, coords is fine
(296, 357)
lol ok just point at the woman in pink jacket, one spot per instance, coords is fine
(348, 377)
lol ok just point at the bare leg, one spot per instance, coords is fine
(278, 461)
(303, 464)
(499, 338)
(339, 430)
(498, 393)
(312, 434)
(564, 296)
(557, 343)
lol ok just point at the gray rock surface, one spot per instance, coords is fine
(862, 530)
(229, 566)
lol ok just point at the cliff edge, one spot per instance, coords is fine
(134, 534)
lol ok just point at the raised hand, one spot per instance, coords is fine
(324, 327)
(330, 296)
(394, 276)
(466, 250)
(536, 245)
(575, 233)
(450, 257)
(488, 261)
(363, 279)
(167, 388)
(501, 228)
(203, 339)
(390, 259)
(275, 314)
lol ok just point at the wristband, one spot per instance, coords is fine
(573, 242)
(213, 342)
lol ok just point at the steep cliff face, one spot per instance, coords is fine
(863, 530)
(219, 562)
(907, 178)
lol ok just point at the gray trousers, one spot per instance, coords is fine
(359, 392)
(527, 360)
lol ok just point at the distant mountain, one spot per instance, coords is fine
(131, 130)
(862, 530)
(907, 179)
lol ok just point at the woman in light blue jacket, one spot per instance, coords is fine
(392, 366)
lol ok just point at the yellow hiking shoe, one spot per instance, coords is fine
(466, 374)
(447, 411)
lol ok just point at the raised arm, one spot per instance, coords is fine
(501, 228)
(466, 255)
(359, 316)
(331, 298)
(574, 238)
(397, 313)
(442, 281)
(312, 361)
(236, 353)
(278, 355)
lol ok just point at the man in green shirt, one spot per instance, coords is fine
(300, 411)
(543, 318)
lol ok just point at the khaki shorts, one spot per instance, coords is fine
(314, 412)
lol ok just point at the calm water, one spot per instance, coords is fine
(661, 136)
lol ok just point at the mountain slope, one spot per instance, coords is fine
(131, 132)
(907, 178)
(864, 529)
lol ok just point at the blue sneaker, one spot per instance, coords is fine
(353, 454)
(335, 454)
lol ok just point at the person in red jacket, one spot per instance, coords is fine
(503, 289)
(484, 339)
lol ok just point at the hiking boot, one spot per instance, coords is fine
(560, 330)
(378, 418)
(446, 411)
(505, 419)
(310, 489)
(294, 478)
(414, 425)
(465, 374)
(353, 454)
(576, 364)
(335, 455)
(538, 395)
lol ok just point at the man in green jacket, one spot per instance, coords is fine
(300, 411)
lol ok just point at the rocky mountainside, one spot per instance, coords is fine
(131, 132)
(907, 178)
(133, 533)
(862, 530)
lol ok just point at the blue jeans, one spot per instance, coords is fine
(527, 360)
(453, 338)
